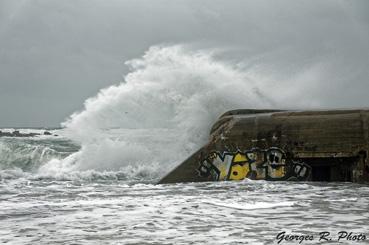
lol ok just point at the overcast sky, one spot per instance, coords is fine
(55, 54)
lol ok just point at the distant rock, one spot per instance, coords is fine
(16, 133)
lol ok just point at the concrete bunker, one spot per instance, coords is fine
(324, 145)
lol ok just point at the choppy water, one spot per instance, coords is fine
(94, 183)
(123, 207)
(48, 211)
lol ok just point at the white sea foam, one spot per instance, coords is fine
(160, 114)
(248, 206)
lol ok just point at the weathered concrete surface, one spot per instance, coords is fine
(333, 144)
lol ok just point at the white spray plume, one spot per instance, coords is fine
(161, 113)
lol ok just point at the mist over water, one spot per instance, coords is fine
(160, 114)
(163, 109)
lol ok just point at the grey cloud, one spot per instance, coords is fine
(55, 54)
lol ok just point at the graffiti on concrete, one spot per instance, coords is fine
(268, 164)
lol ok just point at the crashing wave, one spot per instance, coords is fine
(155, 118)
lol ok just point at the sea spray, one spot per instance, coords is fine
(159, 114)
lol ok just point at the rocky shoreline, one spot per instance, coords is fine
(17, 133)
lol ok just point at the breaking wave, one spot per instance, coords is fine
(154, 119)
(26, 155)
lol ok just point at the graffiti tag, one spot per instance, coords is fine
(268, 164)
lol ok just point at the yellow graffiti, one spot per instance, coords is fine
(239, 168)
(276, 172)
(239, 172)
(223, 172)
(269, 164)
(254, 164)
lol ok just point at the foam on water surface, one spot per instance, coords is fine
(249, 206)
(117, 212)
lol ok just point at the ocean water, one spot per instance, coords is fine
(93, 181)
(128, 207)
